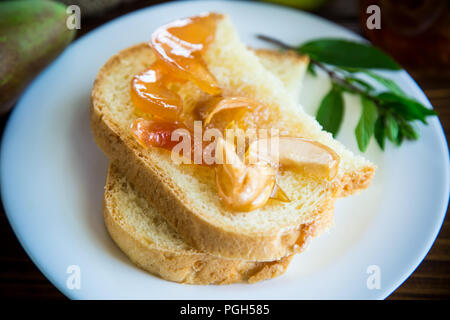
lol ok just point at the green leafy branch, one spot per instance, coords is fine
(386, 115)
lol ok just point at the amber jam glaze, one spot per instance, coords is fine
(178, 47)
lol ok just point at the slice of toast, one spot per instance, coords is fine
(148, 240)
(186, 195)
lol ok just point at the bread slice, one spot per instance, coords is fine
(186, 195)
(288, 66)
(148, 240)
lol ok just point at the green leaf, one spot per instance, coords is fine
(406, 107)
(391, 128)
(342, 87)
(366, 125)
(399, 139)
(387, 83)
(379, 132)
(361, 83)
(311, 69)
(345, 53)
(409, 131)
(331, 111)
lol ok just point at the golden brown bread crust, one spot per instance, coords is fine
(157, 188)
(190, 266)
(288, 54)
(351, 184)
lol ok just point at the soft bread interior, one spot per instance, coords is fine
(288, 66)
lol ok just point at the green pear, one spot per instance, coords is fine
(309, 5)
(32, 34)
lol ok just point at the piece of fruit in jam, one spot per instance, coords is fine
(150, 94)
(220, 104)
(225, 113)
(180, 45)
(156, 133)
(159, 134)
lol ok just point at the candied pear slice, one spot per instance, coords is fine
(311, 157)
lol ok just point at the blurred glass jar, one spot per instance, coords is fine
(415, 32)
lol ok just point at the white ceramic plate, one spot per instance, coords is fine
(52, 178)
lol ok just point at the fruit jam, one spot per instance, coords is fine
(178, 47)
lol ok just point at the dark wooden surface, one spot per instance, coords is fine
(19, 277)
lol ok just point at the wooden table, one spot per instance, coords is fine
(19, 277)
